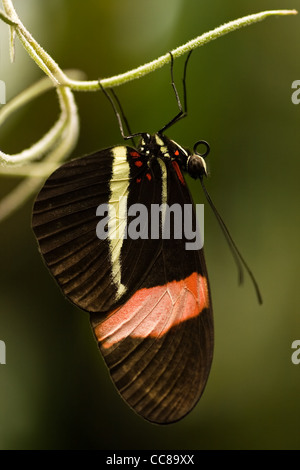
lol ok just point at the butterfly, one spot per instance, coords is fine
(100, 222)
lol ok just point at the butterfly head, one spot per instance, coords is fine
(196, 165)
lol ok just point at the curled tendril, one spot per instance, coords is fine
(206, 145)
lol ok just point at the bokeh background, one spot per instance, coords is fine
(55, 391)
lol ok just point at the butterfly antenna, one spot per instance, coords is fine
(240, 262)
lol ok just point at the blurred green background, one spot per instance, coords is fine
(55, 391)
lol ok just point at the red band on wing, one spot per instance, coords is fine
(178, 172)
(153, 311)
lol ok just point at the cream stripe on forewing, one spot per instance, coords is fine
(164, 190)
(164, 179)
(117, 213)
(163, 147)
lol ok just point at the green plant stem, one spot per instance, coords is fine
(8, 163)
(6, 19)
(52, 69)
(179, 51)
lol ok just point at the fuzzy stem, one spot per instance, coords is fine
(179, 51)
(8, 163)
(36, 52)
(6, 19)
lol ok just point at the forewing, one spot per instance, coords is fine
(89, 269)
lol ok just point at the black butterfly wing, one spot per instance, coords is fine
(159, 344)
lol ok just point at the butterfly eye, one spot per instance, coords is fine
(196, 166)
